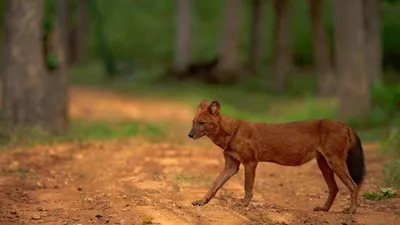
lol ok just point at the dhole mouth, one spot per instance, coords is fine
(197, 137)
(192, 134)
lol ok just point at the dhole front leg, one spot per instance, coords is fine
(231, 168)
(249, 175)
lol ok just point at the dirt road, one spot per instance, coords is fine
(135, 181)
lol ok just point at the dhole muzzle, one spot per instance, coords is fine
(192, 133)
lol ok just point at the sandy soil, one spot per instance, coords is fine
(134, 180)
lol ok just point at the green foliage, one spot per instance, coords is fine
(81, 131)
(392, 1)
(384, 111)
(247, 100)
(148, 220)
(49, 17)
(143, 31)
(391, 170)
(52, 61)
(106, 54)
(386, 193)
(390, 30)
(391, 144)
(386, 97)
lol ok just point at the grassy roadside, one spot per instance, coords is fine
(83, 131)
(250, 100)
(391, 170)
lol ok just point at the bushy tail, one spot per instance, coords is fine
(355, 160)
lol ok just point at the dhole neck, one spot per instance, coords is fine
(226, 130)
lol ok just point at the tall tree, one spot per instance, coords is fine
(105, 52)
(323, 65)
(283, 62)
(227, 69)
(33, 95)
(372, 16)
(256, 35)
(81, 31)
(183, 43)
(65, 26)
(353, 86)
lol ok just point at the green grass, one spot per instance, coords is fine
(148, 220)
(249, 100)
(386, 193)
(82, 131)
(391, 169)
(391, 172)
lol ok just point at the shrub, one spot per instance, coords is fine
(391, 170)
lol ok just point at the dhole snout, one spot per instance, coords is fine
(192, 133)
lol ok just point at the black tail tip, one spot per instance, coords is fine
(355, 162)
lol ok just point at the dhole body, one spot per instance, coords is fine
(335, 145)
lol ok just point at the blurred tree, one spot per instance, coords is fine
(81, 31)
(322, 61)
(33, 95)
(372, 15)
(107, 56)
(65, 26)
(183, 42)
(283, 61)
(227, 69)
(353, 85)
(256, 35)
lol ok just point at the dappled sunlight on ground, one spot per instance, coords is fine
(90, 103)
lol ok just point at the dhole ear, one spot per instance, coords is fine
(214, 108)
(203, 104)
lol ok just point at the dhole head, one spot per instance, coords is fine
(206, 120)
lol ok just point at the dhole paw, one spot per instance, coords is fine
(198, 203)
(319, 208)
(238, 205)
(349, 211)
(241, 204)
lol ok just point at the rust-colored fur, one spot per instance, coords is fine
(336, 147)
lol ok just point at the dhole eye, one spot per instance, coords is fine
(202, 123)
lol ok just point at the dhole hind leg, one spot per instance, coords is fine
(329, 178)
(340, 168)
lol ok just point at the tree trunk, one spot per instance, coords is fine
(183, 43)
(56, 83)
(65, 26)
(353, 87)
(32, 97)
(227, 69)
(323, 65)
(283, 48)
(106, 55)
(256, 36)
(81, 31)
(372, 16)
